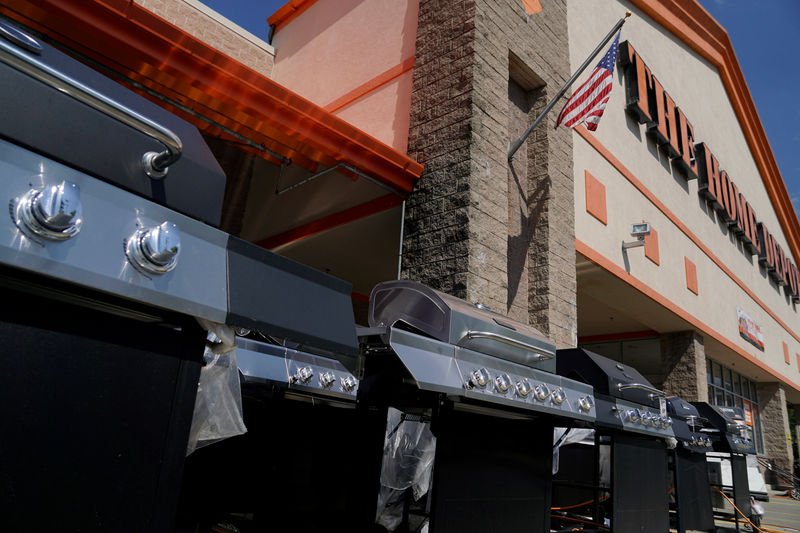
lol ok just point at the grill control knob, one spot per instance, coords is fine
(304, 374)
(708, 442)
(349, 383)
(327, 379)
(559, 396)
(524, 388)
(656, 420)
(648, 419)
(53, 213)
(480, 378)
(542, 392)
(693, 441)
(632, 416)
(502, 383)
(586, 403)
(155, 250)
(668, 422)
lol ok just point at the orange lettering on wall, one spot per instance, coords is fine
(741, 214)
(638, 84)
(687, 160)
(766, 255)
(752, 224)
(664, 130)
(728, 201)
(708, 175)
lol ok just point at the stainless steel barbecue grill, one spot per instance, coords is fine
(692, 496)
(108, 254)
(466, 351)
(487, 385)
(634, 426)
(732, 441)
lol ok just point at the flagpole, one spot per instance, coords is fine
(513, 147)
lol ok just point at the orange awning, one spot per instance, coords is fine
(139, 45)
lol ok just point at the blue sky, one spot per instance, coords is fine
(765, 36)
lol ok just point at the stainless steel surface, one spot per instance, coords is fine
(524, 388)
(303, 374)
(454, 321)
(586, 403)
(20, 38)
(479, 378)
(327, 379)
(502, 382)
(538, 352)
(263, 362)
(155, 250)
(154, 164)
(53, 212)
(641, 386)
(458, 372)
(95, 257)
(639, 419)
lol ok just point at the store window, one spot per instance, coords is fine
(642, 354)
(728, 388)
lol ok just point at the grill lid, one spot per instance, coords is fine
(67, 111)
(454, 321)
(607, 376)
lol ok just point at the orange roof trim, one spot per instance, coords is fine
(289, 12)
(138, 44)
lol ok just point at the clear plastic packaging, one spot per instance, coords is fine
(218, 406)
(408, 453)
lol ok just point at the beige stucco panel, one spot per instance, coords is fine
(335, 47)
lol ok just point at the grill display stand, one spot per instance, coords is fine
(635, 502)
(732, 437)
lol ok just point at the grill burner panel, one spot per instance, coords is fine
(626, 400)
(688, 425)
(453, 321)
(729, 421)
(304, 372)
(448, 369)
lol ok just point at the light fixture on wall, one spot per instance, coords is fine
(640, 231)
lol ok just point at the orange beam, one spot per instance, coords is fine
(289, 12)
(341, 218)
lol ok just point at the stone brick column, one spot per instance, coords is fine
(474, 227)
(775, 422)
(683, 363)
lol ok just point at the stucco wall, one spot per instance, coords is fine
(696, 87)
(335, 48)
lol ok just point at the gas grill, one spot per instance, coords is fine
(732, 439)
(106, 260)
(488, 387)
(692, 498)
(634, 427)
(472, 354)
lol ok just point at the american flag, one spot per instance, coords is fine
(589, 101)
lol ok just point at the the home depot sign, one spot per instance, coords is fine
(671, 129)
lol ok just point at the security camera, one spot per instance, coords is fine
(640, 230)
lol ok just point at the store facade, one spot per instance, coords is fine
(706, 309)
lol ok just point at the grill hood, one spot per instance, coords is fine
(607, 376)
(454, 321)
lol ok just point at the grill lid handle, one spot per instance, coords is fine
(654, 392)
(155, 164)
(540, 353)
